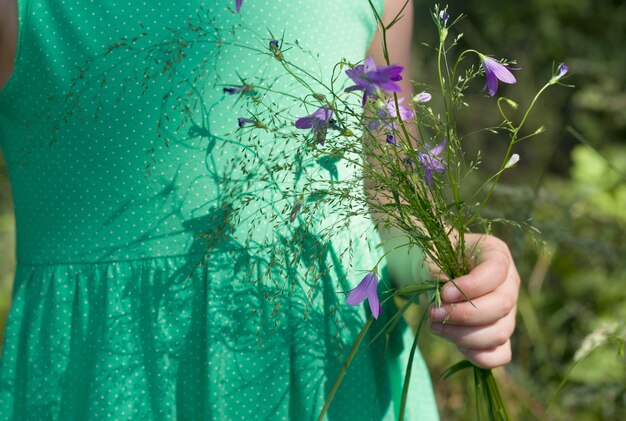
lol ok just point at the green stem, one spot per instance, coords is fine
(407, 376)
(507, 155)
(344, 368)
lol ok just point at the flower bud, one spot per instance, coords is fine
(422, 97)
(514, 159)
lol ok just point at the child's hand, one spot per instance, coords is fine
(481, 331)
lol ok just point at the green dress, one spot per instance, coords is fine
(136, 293)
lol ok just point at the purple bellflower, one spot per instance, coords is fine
(431, 161)
(387, 116)
(238, 5)
(422, 97)
(496, 71)
(369, 78)
(366, 289)
(319, 122)
(561, 71)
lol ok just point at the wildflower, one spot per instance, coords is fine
(422, 97)
(318, 122)
(238, 5)
(366, 289)
(275, 49)
(444, 16)
(369, 78)
(560, 72)
(392, 139)
(387, 115)
(514, 159)
(496, 71)
(242, 121)
(243, 89)
(431, 161)
(562, 69)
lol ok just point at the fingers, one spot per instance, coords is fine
(489, 358)
(485, 337)
(493, 265)
(481, 327)
(483, 310)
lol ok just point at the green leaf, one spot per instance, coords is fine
(461, 365)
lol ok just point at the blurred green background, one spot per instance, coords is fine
(570, 182)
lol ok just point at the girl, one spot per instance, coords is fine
(112, 317)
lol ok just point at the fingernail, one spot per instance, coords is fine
(451, 293)
(438, 314)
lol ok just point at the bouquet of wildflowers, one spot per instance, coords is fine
(352, 127)
(416, 172)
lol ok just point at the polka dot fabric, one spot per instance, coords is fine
(112, 318)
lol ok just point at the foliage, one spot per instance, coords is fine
(574, 283)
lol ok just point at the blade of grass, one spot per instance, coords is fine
(407, 376)
(344, 367)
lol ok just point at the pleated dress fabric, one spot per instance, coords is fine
(119, 312)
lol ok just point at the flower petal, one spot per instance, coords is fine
(369, 65)
(422, 97)
(492, 83)
(362, 291)
(373, 300)
(323, 113)
(304, 122)
(437, 150)
(504, 75)
(499, 70)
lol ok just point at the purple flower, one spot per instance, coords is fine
(431, 161)
(369, 78)
(561, 71)
(496, 71)
(387, 115)
(319, 122)
(444, 16)
(238, 5)
(243, 89)
(366, 289)
(243, 122)
(422, 97)
(275, 49)
(392, 139)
